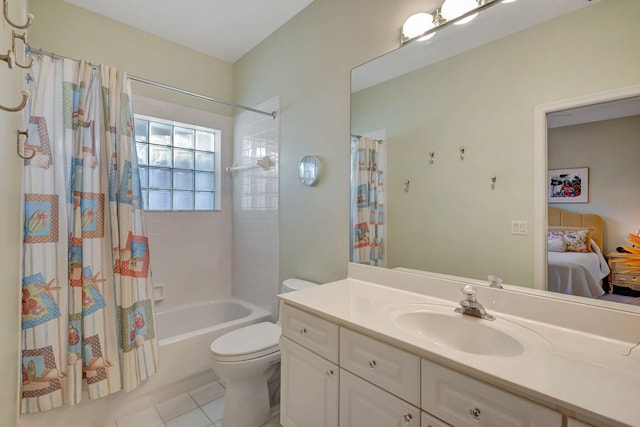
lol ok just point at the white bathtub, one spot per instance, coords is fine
(185, 335)
(186, 332)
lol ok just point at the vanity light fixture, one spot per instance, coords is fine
(422, 26)
(418, 24)
(451, 9)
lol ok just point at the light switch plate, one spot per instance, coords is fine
(519, 227)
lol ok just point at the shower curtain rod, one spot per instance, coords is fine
(271, 114)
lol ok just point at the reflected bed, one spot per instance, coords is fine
(577, 273)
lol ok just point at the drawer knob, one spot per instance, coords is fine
(303, 331)
(372, 364)
(475, 413)
(407, 418)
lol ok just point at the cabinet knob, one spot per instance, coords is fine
(407, 418)
(372, 364)
(475, 413)
(330, 373)
(303, 331)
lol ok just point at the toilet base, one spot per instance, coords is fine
(246, 400)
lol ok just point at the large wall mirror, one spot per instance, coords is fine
(461, 161)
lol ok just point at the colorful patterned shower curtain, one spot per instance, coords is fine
(87, 306)
(368, 159)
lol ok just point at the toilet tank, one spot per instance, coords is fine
(289, 285)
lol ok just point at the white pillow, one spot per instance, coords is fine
(556, 243)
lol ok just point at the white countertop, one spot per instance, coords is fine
(577, 370)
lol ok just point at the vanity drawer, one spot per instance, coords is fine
(464, 401)
(429, 420)
(363, 404)
(311, 332)
(388, 367)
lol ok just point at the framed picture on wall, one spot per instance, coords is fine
(568, 185)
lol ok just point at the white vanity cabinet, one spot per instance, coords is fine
(333, 376)
(309, 371)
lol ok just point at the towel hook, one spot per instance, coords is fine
(9, 58)
(14, 25)
(22, 37)
(432, 155)
(25, 96)
(462, 153)
(26, 135)
(493, 181)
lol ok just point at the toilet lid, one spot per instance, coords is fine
(246, 343)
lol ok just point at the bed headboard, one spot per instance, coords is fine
(558, 217)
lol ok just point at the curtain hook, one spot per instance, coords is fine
(33, 152)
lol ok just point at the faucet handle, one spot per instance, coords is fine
(469, 292)
(495, 281)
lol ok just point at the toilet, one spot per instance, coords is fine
(245, 359)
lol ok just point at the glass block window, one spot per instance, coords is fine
(178, 165)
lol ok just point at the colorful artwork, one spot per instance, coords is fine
(94, 365)
(361, 236)
(40, 218)
(75, 261)
(38, 302)
(92, 215)
(40, 375)
(138, 322)
(92, 299)
(133, 260)
(39, 143)
(568, 185)
(75, 179)
(362, 196)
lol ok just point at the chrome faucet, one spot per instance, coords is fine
(495, 281)
(470, 305)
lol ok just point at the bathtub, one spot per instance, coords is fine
(186, 332)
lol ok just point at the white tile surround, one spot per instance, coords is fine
(255, 208)
(191, 251)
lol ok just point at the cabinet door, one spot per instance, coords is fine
(364, 405)
(309, 386)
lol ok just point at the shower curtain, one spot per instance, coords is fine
(368, 159)
(87, 306)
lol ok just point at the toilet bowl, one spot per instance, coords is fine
(245, 359)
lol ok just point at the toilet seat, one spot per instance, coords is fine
(250, 342)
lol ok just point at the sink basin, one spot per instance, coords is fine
(441, 326)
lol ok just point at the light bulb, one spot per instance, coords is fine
(451, 9)
(418, 24)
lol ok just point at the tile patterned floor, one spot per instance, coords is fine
(202, 407)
